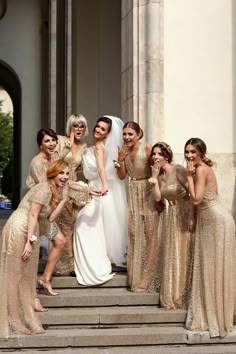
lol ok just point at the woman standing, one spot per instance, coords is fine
(76, 129)
(47, 142)
(169, 181)
(134, 160)
(100, 229)
(213, 285)
(20, 250)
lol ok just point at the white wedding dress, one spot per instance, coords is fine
(101, 228)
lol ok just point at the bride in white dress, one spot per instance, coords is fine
(101, 228)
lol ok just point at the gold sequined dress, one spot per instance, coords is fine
(37, 171)
(213, 286)
(18, 278)
(143, 224)
(175, 240)
(67, 218)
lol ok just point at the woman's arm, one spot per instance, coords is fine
(57, 211)
(37, 172)
(121, 168)
(32, 223)
(100, 156)
(155, 180)
(196, 186)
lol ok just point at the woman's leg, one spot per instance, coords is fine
(53, 257)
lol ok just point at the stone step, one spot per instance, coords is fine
(180, 349)
(98, 297)
(119, 280)
(107, 316)
(75, 338)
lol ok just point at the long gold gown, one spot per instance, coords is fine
(18, 278)
(143, 224)
(67, 218)
(175, 241)
(213, 286)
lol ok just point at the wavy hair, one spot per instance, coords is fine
(165, 150)
(53, 170)
(201, 147)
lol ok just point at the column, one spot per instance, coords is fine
(142, 65)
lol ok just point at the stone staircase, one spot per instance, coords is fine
(109, 319)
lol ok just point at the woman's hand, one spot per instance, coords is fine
(72, 135)
(27, 252)
(104, 190)
(155, 169)
(95, 192)
(191, 170)
(123, 152)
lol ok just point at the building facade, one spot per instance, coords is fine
(167, 64)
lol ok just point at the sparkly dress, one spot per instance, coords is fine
(213, 286)
(67, 218)
(143, 224)
(175, 241)
(37, 171)
(18, 278)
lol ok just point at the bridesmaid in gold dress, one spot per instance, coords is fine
(47, 142)
(134, 161)
(170, 182)
(19, 252)
(76, 129)
(213, 285)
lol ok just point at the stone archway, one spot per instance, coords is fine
(9, 80)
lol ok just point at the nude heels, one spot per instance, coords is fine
(46, 286)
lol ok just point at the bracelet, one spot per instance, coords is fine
(33, 239)
(152, 181)
(116, 163)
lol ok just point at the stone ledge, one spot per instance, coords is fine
(111, 316)
(119, 280)
(98, 297)
(62, 338)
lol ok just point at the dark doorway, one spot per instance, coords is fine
(9, 80)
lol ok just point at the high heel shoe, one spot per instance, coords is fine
(46, 286)
(38, 307)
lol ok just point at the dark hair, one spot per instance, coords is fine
(45, 131)
(135, 127)
(105, 120)
(165, 150)
(201, 148)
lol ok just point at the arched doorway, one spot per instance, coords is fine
(9, 80)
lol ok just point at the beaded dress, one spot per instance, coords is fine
(143, 224)
(212, 298)
(18, 278)
(175, 240)
(67, 217)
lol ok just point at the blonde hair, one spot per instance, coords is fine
(53, 170)
(76, 118)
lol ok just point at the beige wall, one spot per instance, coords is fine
(96, 58)
(199, 83)
(20, 45)
(198, 75)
